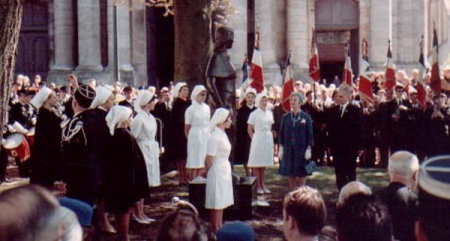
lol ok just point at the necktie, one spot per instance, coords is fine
(341, 111)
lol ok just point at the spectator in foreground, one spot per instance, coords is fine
(399, 195)
(31, 213)
(350, 189)
(304, 214)
(363, 218)
(434, 200)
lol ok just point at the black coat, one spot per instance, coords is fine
(243, 140)
(402, 205)
(46, 155)
(346, 133)
(22, 113)
(179, 140)
(81, 156)
(126, 173)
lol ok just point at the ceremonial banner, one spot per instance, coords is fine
(288, 86)
(421, 92)
(390, 70)
(256, 69)
(314, 68)
(347, 74)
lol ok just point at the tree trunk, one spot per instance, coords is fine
(10, 23)
(193, 45)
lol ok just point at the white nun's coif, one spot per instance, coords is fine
(102, 94)
(259, 97)
(144, 96)
(41, 96)
(177, 89)
(117, 115)
(196, 92)
(220, 116)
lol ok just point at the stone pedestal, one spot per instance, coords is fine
(245, 198)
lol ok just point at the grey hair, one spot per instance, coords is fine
(346, 89)
(300, 96)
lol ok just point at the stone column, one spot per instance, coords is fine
(268, 19)
(364, 27)
(407, 32)
(238, 22)
(63, 62)
(379, 26)
(139, 44)
(89, 37)
(299, 33)
(124, 45)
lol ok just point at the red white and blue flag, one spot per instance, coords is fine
(347, 74)
(314, 68)
(288, 86)
(256, 69)
(390, 70)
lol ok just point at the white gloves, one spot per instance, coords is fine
(280, 153)
(308, 154)
(19, 128)
(33, 121)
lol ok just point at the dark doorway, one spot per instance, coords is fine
(328, 70)
(160, 47)
(33, 52)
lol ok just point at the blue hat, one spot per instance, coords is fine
(83, 210)
(235, 231)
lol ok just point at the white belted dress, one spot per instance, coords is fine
(197, 115)
(219, 185)
(144, 129)
(261, 148)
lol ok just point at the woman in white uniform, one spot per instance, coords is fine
(219, 185)
(261, 149)
(144, 129)
(196, 129)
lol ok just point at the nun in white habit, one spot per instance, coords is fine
(196, 128)
(259, 129)
(144, 129)
(219, 185)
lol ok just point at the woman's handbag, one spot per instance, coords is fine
(310, 167)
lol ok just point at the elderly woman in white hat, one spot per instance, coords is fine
(178, 144)
(243, 141)
(126, 174)
(144, 129)
(219, 186)
(197, 130)
(46, 152)
(259, 129)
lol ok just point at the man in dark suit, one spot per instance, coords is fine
(345, 136)
(399, 196)
(398, 122)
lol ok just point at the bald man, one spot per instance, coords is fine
(399, 195)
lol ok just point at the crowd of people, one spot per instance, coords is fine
(104, 146)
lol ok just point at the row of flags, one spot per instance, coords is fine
(255, 77)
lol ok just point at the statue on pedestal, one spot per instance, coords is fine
(220, 73)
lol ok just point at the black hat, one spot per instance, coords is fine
(22, 92)
(84, 95)
(127, 89)
(434, 195)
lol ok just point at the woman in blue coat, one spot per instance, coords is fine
(296, 140)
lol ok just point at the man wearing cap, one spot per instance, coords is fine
(22, 117)
(128, 101)
(399, 195)
(80, 147)
(433, 223)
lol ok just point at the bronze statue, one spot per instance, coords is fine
(220, 73)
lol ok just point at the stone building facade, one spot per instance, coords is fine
(78, 36)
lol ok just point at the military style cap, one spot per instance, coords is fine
(84, 95)
(434, 192)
